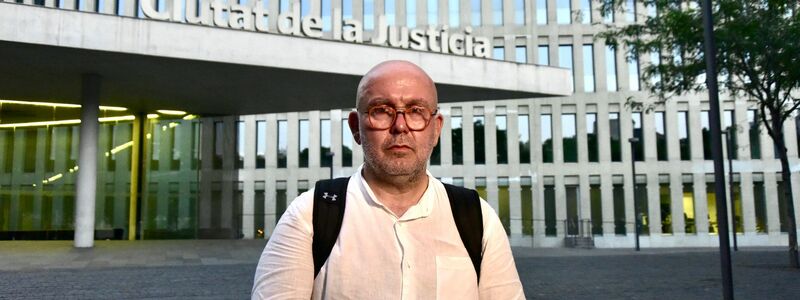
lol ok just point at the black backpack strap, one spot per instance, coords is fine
(329, 203)
(466, 207)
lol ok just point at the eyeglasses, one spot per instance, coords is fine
(382, 117)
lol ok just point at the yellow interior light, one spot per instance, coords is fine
(65, 122)
(152, 116)
(173, 124)
(190, 117)
(121, 147)
(171, 112)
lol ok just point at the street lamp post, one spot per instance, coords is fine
(633, 142)
(728, 137)
(330, 155)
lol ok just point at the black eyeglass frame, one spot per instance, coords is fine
(397, 112)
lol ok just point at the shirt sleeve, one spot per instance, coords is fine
(499, 278)
(286, 267)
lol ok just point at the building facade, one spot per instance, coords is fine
(552, 167)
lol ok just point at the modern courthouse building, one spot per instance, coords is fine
(214, 115)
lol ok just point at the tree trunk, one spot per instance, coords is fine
(777, 128)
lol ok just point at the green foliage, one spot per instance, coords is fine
(758, 48)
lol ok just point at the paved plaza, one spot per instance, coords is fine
(223, 269)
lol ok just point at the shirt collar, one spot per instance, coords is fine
(422, 209)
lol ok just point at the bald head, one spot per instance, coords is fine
(400, 73)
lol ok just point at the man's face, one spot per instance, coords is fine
(397, 150)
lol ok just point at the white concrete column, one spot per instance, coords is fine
(86, 187)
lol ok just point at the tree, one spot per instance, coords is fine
(758, 59)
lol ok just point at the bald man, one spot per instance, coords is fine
(398, 238)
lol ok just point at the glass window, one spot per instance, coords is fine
(595, 196)
(642, 204)
(754, 134)
(665, 202)
(586, 12)
(433, 12)
(280, 199)
(633, 73)
(782, 207)
(497, 12)
(411, 13)
(544, 55)
(497, 53)
(711, 196)
(283, 131)
(611, 69)
(572, 192)
(283, 5)
(609, 18)
(737, 205)
(588, 68)
(456, 135)
(524, 139)
(303, 143)
(615, 136)
(519, 12)
(436, 154)
(480, 144)
(563, 12)
(326, 15)
(655, 60)
(547, 138)
(31, 141)
(325, 157)
(639, 134)
(706, 130)
(389, 9)
(259, 199)
(569, 138)
(219, 144)
(480, 187)
(347, 145)
(541, 12)
(630, 11)
(661, 135)
(475, 6)
(683, 135)
(261, 144)
(503, 201)
(453, 7)
(760, 203)
(591, 137)
(688, 206)
(565, 61)
(347, 9)
(501, 133)
(526, 205)
(619, 208)
(549, 207)
(241, 132)
(521, 56)
(369, 10)
(730, 128)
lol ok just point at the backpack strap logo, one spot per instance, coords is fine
(332, 196)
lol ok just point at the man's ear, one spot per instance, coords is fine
(438, 123)
(352, 121)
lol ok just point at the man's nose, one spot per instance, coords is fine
(400, 123)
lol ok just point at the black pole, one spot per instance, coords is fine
(633, 142)
(330, 154)
(716, 147)
(728, 139)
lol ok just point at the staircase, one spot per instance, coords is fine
(579, 234)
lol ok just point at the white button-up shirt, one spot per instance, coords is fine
(379, 255)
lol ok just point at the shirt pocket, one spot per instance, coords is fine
(455, 278)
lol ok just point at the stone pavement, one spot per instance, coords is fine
(223, 269)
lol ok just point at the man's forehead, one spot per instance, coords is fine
(396, 77)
